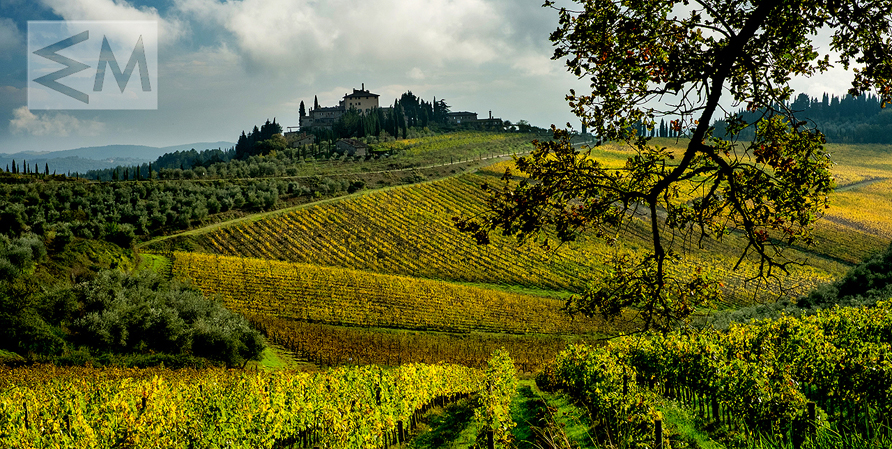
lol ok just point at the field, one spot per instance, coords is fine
(332, 345)
(404, 156)
(377, 293)
(50, 407)
(383, 277)
(773, 378)
(352, 272)
(410, 231)
(355, 298)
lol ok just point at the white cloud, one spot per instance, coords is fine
(10, 38)
(836, 80)
(169, 30)
(58, 124)
(341, 35)
(239, 62)
(537, 65)
(416, 74)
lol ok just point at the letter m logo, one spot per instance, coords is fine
(107, 58)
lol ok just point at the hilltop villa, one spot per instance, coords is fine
(361, 100)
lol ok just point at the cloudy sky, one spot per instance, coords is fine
(226, 65)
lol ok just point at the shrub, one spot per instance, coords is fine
(141, 313)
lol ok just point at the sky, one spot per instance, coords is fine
(227, 65)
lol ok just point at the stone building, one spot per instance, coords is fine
(325, 117)
(458, 118)
(296, 139)
(361, 100)
(352, 147)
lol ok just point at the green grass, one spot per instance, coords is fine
(540, 416)
(683, 428)
(829, 437)
(271, 360)
(686, 431)
(10, 358)
(153, 262)
(275, 357)
(548, 420)
(81, 257)
(450, 427)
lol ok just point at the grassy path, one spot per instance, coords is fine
(548, 420)
(544, 420)
(450, 427)
(859, 184)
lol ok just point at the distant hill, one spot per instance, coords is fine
(95, 158)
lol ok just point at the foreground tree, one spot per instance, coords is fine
(649, 59)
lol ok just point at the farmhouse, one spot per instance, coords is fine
(352, 147)
(457, 118)
(296, 139)
(489, 123)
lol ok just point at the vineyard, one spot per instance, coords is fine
(327, 345)
(360, 407)
(410, 231)
(399, 231)
(752, 378)
(379, 278)
(455, 146)
(356, 298)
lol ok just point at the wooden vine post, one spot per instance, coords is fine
(658, 434)
(812, 419)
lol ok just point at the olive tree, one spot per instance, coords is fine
(681, 60)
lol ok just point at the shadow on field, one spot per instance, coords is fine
(444, 426)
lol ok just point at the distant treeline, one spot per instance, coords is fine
(236, 162)
(183, 160)
(845, 119)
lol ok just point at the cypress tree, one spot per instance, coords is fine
(46, 169)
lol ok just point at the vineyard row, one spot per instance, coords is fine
(350, 297)
(758, 377)
(50, 407)
(326, 345)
